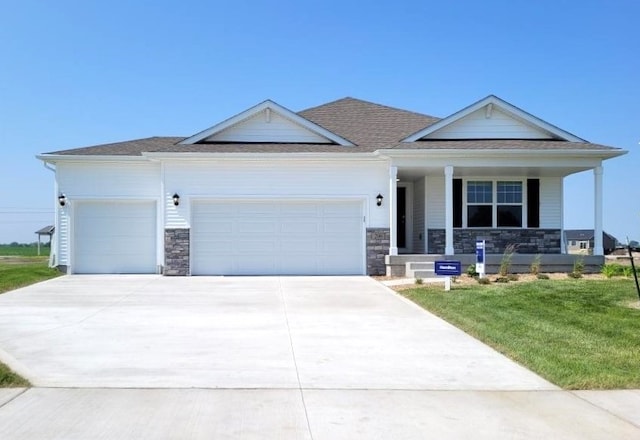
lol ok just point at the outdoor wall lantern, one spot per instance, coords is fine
(379, 199)
(62, 199)
(176, 199)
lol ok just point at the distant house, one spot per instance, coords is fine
(581, 241)
(46, 231)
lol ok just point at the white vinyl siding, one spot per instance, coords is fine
(119, 180)
(63, 237)
(499, 126)
(114, 237)
(276, 180)
(263, 128)
(269, 237)
(435, 202)
(105, 180)
(551, 202)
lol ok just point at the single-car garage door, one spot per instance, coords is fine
(277, 237)
(114, 237)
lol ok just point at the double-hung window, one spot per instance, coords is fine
(492, 204)
(479, 204)
(509, 204)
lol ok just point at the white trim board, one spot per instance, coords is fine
(268, 106)
(490, 102)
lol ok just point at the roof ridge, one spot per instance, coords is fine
(349, 98)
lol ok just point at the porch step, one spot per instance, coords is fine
(422, 269)
(424, 274)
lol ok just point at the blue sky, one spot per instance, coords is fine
(77, 73)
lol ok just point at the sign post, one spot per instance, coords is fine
(448, 269)
(480, 258)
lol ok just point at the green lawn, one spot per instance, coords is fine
(23, 250)
(25, 271)
(15, 273)
(578, 334)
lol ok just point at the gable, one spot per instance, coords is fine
(268, 126)
(492, 118)
(267, 122)
(486, 123)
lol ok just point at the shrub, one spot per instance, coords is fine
(513, 277)
(578, 266)
(613, 270)
(483, 281)
(542, 276)
(471, 271)
(505, 263)
(418, 280)
(502, 280)
(535, 265)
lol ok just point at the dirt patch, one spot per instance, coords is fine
(465, 280)
(635, 304)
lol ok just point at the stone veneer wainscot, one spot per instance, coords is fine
(527, 241)
(176, 252)
(378, 240)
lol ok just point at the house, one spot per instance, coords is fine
(581, 241)
(347, 187)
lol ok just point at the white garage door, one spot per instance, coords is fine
(114, 237)
(277, 237)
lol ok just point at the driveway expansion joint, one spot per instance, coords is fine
(293, 355)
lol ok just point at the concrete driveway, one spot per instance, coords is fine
(241, 332)
(137, 357)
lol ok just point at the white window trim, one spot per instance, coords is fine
(494, 203)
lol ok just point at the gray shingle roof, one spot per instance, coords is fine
(368, 125)
(47, 230)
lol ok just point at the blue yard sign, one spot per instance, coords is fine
(480, 257)
(448, 268)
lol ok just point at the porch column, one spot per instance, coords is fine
(393, 210)
(448, 211)
(598, 248)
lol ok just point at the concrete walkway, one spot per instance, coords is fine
(147, 357)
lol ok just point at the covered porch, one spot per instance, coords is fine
(439, 206)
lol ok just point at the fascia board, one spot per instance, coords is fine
(257, 109)
(53, 158)
(605, 154)
(505, 106)
(263, 156)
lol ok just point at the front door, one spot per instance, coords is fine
(401, 223)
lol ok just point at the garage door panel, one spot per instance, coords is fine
(278, 237)
(345, 227)
(341, 210)
(262, 246)
(114, 237)
(254, 264)
(298, 210)
(305, 226)
(261, 226)
(300, 247)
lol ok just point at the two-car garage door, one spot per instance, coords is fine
(277, 237)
